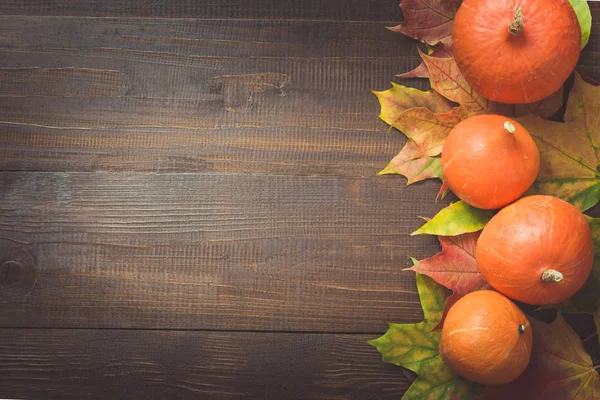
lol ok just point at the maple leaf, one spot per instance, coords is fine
(560, 368)
(454, 266)
(413, 169)
(416, 347)
(456, 219)
(400, 98)
(421, 70)
(569, 151)
(446, 79)
(429, 21)
(427, 129)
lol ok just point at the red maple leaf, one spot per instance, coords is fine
(429, 21)
(454, 267)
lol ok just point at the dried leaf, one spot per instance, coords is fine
(400, 98)
(416, 347)
(429, 21)
(569, 151)
(427, 129)
(446, 79)
(413, 170)
(560, 368)
(421, 70)
(456, 219)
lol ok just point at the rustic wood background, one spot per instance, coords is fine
(188, 199)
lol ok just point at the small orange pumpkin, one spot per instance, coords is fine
(514, 51)
(538, 250)
(489, 160)
(486, 338)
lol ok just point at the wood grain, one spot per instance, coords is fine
(214, 250)
(61, 82)
(338, 10)
(322, 120)
(146, 365)
(195, 182)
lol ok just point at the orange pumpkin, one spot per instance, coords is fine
(486, 338)
(514, 51)
(489, 160)
(538, 250)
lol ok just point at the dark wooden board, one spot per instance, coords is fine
(266, 231)
(212, 251)
(142, 95)
(152, 365)
(339, 10)
(188, 202)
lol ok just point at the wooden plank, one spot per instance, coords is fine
(259, 9)
(210, 251)
(145, 95)
(86, 364)
(232, 37)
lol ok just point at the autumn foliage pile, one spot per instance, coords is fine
(540, 249)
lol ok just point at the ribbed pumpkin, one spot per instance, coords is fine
(489, 160)
(538, 250)
(516, 51)
(486, 338)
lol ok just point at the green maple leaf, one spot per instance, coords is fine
(569, 151)
(416, 347)
(456, 219)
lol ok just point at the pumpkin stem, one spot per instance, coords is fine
(551, 276)
(521, 328)
(510, 127)
(516, 26)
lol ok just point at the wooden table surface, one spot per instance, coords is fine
(188, 200)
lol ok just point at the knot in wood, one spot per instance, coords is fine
(18, 272)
